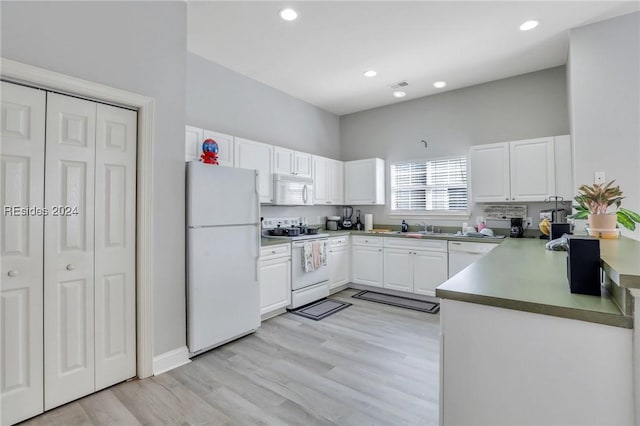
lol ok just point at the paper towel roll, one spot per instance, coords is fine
(368, 222)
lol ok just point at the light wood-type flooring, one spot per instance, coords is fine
(370, 364)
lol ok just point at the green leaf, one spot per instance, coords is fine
(625, 221)
(580, 215)
(631, 214)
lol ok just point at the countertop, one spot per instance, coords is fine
(621, 260)
(520, 274)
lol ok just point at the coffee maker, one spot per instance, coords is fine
(517, 230)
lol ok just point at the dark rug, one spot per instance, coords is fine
(403, 302)
(321, 309)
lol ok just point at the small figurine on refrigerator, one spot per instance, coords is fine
(209, 152)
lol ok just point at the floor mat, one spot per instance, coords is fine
(321, 309)
(403, 302)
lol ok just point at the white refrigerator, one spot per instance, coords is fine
(223, 249)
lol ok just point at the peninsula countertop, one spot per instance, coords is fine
(520, 274)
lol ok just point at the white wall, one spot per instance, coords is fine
(526, 106)
(139, 47)
(604, 76)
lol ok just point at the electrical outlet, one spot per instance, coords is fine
(529, 222)
(598, 177)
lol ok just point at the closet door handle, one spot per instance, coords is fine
(13, 273)
(71, 267)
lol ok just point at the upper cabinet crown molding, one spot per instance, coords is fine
(524, 170)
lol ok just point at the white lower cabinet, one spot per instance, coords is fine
(414, 266)
(366, 255)
(339, 261)
(275, 278)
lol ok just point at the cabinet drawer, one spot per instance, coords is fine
(366, 241)
(339, 241)
(416, 244)
(273, 252)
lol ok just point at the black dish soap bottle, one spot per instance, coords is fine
(405, 227)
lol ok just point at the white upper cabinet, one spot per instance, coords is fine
(328, 181)
(490, 172)
(258, 156)
(194, 136)
(532, 166)
(563, 166)
(520, 170)
(287, 161)
(364, 182)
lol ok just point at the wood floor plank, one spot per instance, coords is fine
(369, 364)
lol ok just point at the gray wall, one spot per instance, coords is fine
(223, 100)
(526, 106)
(604, 75)
(139, 47)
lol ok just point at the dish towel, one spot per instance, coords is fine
(319, 253)
(307, 257)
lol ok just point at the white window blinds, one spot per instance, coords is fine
(430, 186)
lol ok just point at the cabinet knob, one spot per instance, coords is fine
(379, 249)
(13, 273)
(71, 267)
(507, 199)
(366, 241)
(328, 202)
(273, 252)
(513, 198)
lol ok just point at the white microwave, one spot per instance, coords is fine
(290, 190)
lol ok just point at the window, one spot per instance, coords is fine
(435, 186)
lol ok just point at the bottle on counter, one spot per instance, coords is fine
(405, 226)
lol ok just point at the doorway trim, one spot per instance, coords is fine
(33, 76)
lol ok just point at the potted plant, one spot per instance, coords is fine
(593, 204)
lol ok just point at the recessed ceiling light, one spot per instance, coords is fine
(439, 84)
(399, 94)
(288, 14)
(528, 25)
(370, 73)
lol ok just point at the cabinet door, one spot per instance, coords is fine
(115, 242)
(359, 178)
(532, 168)
(336, 182)
(69, 364)
(22, 183)
(283, 161)
(367, 265)
(338, 266)
(256, 156)
(225, 146)
(320, 180)
(429, 271)
(193, 138)
(303, 164)
(275, 284)
(490, 172)
(564, 166)
(397, 269)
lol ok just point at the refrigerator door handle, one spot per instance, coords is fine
(258, 226)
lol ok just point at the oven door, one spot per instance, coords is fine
(299, 278)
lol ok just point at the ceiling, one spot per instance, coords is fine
(320, 58)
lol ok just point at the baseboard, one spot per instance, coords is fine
(170, 360)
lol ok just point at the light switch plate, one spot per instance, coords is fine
(598, 177)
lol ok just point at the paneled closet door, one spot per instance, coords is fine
(69, 246)
(115, 241)
(21, 177)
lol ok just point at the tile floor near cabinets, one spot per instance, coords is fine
(370, 364)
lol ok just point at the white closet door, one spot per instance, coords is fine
(115, 242)
(23, 125)
(69, 248)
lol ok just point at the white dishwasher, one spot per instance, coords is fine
(464, 253)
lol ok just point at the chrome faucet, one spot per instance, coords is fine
(426, 227)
